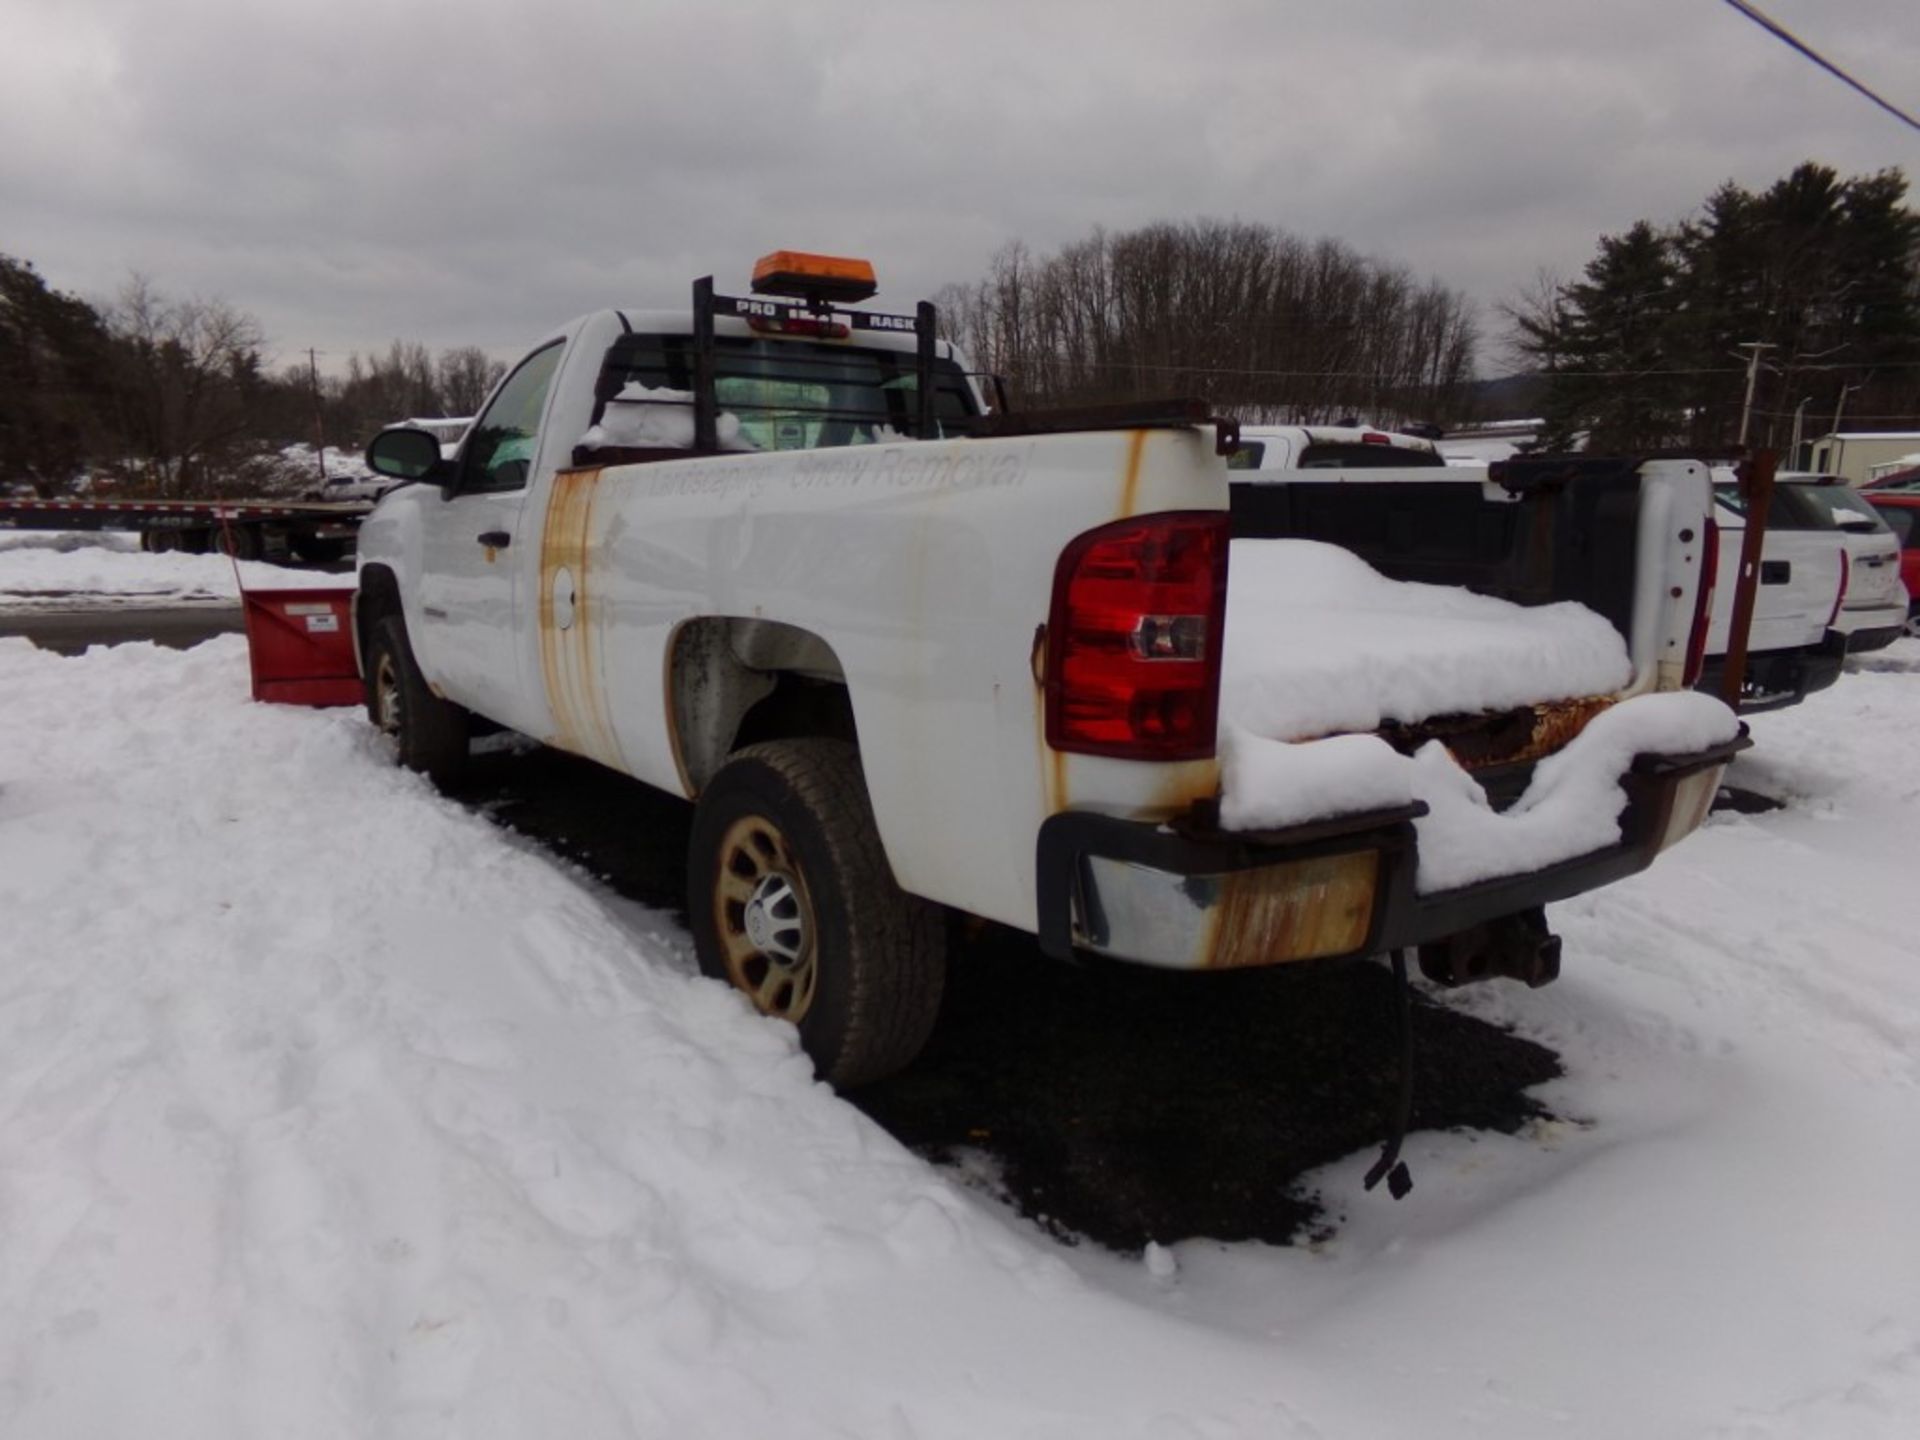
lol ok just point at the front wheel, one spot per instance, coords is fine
(424, 732)
(792, 902)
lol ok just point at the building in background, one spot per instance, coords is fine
(1860, 454)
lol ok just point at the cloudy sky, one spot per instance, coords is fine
(473, 171)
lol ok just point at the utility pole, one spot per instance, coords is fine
(1799, 413)
(1753, 376)
(1840, 405)
(319, 432)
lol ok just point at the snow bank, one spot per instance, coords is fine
(43, 567)
(328, 1109)
(1319, 642)
(1717, 1238)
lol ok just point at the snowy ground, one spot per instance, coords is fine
(329, 1109)
(63, 569)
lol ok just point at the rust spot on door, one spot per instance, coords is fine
(570, 658)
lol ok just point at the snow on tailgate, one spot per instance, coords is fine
(1320, 643)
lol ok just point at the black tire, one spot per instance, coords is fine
(856, 963)
(321, 552)
(242, 541)
(426, 733)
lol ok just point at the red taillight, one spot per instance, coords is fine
(1703, 605)
(1135, 638)
(1840, 597)
(1374, 437)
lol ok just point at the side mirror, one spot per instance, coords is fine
(403, 454)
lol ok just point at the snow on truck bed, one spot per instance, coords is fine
(1320, 644)
(329, 1109)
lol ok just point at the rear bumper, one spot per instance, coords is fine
(1877, 637)
(1778, 678)
(1135, 891)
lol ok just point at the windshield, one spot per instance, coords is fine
(1809, 507)
(1847, 508)
(796, 395)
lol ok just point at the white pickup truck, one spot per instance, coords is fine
(909, 657)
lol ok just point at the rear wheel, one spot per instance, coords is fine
(241, 541)
(793, 903)
(423, 732)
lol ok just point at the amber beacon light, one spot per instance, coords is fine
(828, 279)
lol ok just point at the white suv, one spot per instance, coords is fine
(1873, 599)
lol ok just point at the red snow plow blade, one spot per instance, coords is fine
(300, 643)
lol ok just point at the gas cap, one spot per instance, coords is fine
(563, 598)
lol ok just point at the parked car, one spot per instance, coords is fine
(1329, 447)
(1906, 477)
(1873, 602)
(1901, 511)
(1793, 648)
(349, 487)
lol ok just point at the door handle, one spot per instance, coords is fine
(494, 539)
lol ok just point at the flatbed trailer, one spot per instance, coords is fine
(316, 531)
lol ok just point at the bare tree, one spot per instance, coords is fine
(1246, 316)
(189, 381)
(466, 376)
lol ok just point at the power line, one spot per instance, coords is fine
(1910, 415)
(1780, 32)
(1044, 361)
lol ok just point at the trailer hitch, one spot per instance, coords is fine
(1513, 947)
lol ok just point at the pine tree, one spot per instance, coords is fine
(53, 374)
(1608, 341)
(1823, 272)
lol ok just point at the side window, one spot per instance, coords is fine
(499, 453)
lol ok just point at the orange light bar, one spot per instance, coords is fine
(813, 277)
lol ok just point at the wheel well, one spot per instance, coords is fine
(737, 681)
(378, 595)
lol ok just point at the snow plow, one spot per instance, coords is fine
(300, 646)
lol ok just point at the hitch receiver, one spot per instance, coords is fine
(1515, 947)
